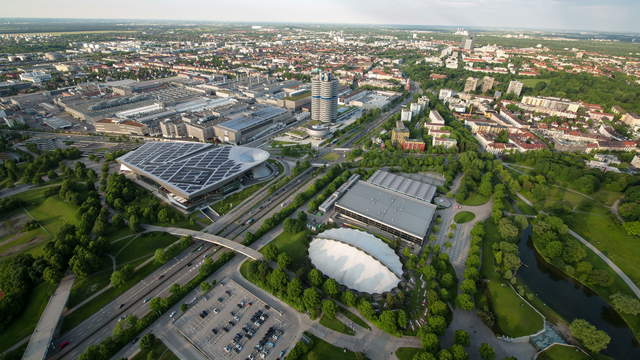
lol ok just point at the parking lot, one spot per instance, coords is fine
(228, 322)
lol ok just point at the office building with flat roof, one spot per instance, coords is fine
(392, 203)
(248, 126)
(324, 98)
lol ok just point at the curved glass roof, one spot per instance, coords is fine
(191, 168)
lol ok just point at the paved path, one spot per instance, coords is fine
(480, 333)
(614, 210)
(600, 254)
(611, 264)
(40, 340)
(15, 190)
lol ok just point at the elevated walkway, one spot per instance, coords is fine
(214, 239)
(40, 341)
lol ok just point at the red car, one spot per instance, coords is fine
(64, 345)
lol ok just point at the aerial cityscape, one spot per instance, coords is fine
(297, 180)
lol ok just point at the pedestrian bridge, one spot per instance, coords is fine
(214, 239)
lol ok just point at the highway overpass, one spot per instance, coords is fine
(214, 239)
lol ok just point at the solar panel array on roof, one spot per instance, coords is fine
(403, 185)
(191, 167)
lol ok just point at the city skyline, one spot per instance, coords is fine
(589, 15)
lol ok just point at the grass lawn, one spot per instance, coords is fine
(227, 204)
(475, 200)
(514, 317)
(159, 351)
(605, 291)
(295, 245)
(323, 350)
(353, 317)
(331, 156)
(52, 213)
(336, 324)
(532, 82)
(560, 352)
(142, 246)
(24, 324)
(599, 228)
(407, 353)
(463, 217)
(488, 269)
(88, 309)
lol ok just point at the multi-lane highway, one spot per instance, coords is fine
(179, 270)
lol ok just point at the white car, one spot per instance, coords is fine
(172, 314)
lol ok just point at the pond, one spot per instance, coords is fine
(572, 300)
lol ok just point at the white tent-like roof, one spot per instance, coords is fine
(356, 259)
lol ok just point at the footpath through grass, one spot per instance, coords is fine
(336, 324)
(353, 317)
(599, 228)
(561, 352)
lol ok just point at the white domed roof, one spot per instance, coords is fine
(356, 259)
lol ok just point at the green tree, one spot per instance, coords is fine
(270, 252)
(329, 308)
(465, 302)
(625, 304)
(389, 322)
(462, 337)
(283, 260)
(402, 319)
(458, 352)
(160, 256)
(349, 298)
(593, 339)
(147, 342)
(205, 287)
(330, 287)
(437, 324)
(315, 277)
(163, 216)
(311, 299)
(120, 277)
(134, 222)
(277, 280)
(294, 289)
(487, 352)
(507, 230)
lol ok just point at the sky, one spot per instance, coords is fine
(601, 15)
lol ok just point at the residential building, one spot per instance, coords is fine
(470, 85)
(515, 87)
(400, 133)
(487, 84)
